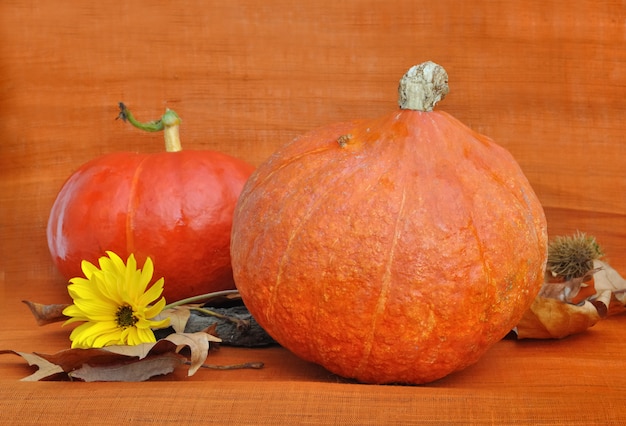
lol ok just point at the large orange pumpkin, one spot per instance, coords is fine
(394, 250)
(175, 207)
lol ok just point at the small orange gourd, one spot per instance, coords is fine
(174, 206)
(393, 250)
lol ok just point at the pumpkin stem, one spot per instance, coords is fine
(423, 86)
(169, 123)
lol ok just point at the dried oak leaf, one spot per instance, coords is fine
(565, 308)
(550, 318)
(121, 363)
(46, 369)
(607, 279)
(178, 317)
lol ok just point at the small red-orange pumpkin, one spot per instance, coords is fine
(390, 250)
(175, 207)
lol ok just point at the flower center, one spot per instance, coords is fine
(125, 316)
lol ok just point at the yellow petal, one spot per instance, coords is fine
(160, 324)
(87, 335)
(146, 274)
(131, 263)
(78, 335)
(130, 288)
(83, 291)
(154, 310)
(74, 313)
(108, 288)
(146, 335)
(102, 333)
(114, 262)
(130, 276)
(138, 336)
(88, 268)
(79, 281)
(107, 339)
(152, 294)
(96, 310)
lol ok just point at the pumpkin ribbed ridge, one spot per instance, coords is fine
(133, 201)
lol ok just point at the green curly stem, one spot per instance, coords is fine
(169, 123)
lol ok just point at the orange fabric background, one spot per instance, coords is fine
(545, 79)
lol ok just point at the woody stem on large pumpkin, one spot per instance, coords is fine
(169, 123)
(422, 87)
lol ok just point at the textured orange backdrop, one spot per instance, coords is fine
(546, 79)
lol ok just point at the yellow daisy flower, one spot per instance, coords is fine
(113, 303)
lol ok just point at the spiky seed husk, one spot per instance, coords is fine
(572, 256)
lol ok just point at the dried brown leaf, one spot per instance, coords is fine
(608, 279)
(137, 371)
(46, 314)
(198, 344)
(565, 308)
(569, 290)
(71, 359)
(178, 317)
(46, 369)
(110, 360)
(200, 347)
(550, 318)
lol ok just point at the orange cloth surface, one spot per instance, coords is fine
(547, 80)
(577, 380)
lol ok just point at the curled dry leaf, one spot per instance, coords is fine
(46, 314)
(178, 317)
(121, 363)
(608, 280)
(553, 319)
(570, 307)
(137, 371)
(573, 290)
